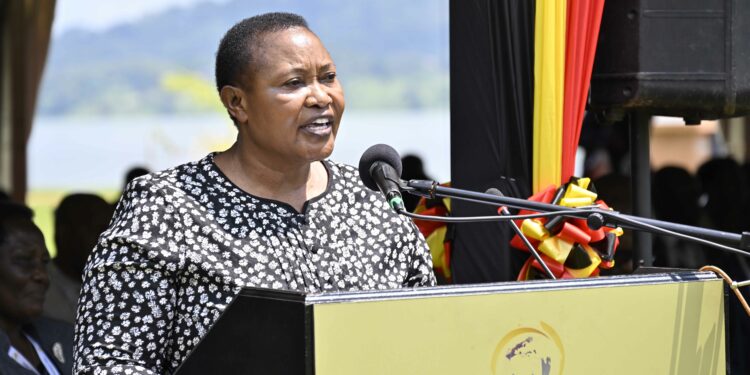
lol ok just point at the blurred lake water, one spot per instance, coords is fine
(93, 153)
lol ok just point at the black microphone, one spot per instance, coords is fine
(380, 169)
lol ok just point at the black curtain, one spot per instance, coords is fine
(492, 62)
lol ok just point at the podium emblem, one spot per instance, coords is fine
(529, 350)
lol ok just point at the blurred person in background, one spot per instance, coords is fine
(614, 188)
(725, 194)
(606, 146)
(130, 175)
(723, 185)
(413, 169)
(29, 344)
(271, 212)
(598, 164)
(675, 195)
(79, 220)
(134, 173)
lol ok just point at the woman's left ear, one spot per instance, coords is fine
(234, 101)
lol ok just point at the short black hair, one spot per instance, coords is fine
(11, 214)
(237, 47)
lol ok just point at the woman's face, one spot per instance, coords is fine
(23, 275)
(294, 100)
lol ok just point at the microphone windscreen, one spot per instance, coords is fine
(378, 153)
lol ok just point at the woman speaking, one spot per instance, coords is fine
(269, 212)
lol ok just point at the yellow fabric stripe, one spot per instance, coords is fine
(549, 76)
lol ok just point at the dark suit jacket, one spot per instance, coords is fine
(54, 336)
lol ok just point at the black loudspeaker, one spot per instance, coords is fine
(685, 58)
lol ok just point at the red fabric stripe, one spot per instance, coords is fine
(584, 19)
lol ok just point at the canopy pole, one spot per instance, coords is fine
(640, 174)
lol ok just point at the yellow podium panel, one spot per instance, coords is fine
(651, 324)
(642, 324)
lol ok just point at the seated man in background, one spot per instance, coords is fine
(79, 220)
(28, 344)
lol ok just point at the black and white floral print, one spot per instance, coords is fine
(184, 241)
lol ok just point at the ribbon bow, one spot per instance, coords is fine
(568, 246)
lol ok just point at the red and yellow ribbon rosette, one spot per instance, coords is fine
(568, 246)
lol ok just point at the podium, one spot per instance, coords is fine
(669, 323)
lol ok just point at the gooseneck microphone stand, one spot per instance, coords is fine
(380, 168)
(595, 216)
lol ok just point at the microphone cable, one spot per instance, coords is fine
(732, 285)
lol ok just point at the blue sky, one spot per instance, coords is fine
(97, 15)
